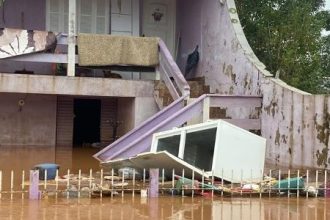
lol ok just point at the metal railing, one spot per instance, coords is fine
(275, 183)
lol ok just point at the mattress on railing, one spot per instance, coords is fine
(108, 50)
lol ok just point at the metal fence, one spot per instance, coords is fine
(290, 183)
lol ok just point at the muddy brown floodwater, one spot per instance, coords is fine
(24, 158)
(128, 207)
(174, 208)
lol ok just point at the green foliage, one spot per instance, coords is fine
(286, 37)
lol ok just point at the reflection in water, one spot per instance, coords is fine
(165, 208)
(24, 158)
(129, 207)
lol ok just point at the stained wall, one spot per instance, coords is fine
(32, 123)
(295, 123)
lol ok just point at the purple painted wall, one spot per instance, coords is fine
(207, 23)
(23, 14)
(188, 27)
(295, 123)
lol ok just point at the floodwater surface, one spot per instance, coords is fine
(129, 207)
(17, 159)
(175, 208)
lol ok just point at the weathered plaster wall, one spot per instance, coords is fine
(126, 115)
(63, 85)
(145, 107)
(134, 111)
(24, 14)
(295, 123)
(224, 64)
(34, 124)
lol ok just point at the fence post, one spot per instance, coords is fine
(34, 193)
(153, 183)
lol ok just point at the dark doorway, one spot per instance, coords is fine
(86, 129)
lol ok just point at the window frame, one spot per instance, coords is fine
(94, 15)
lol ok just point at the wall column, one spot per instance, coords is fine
(72, 38)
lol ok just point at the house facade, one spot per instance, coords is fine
(41, 105)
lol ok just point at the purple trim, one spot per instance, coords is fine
(142, 143)
(170, 86)
(166, 60)
(154, 183)
(34, 185)
(234, 101)
(137, 132)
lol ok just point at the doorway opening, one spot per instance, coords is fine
(87, 116)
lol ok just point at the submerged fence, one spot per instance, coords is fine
(129, 182)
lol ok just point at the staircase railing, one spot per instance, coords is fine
(133, 144)
(141, 130)
(179, 90)
(171, 74)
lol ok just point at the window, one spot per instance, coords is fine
(92, 16)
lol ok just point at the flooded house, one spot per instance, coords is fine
(54, 101)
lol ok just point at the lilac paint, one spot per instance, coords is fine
(136, 144)
(34, 193)
(189, 28)
(154, 183)
(140, 130)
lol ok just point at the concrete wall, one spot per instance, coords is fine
(133, 111)
(33, 124)
(145, 107)
(86, 86)
(295, 123)
(125, 115)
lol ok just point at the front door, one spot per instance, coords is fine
(159, 21)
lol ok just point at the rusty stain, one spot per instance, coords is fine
(233, 77)
(323, 129)
(322, 157)
(230, 73)
(277, 158)
(277, 138)
(271, 109)
(255, 114)
(323, 137)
